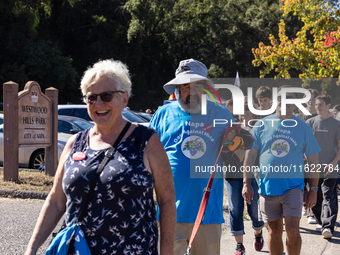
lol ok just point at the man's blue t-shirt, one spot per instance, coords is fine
(282, 144)
(192, 144)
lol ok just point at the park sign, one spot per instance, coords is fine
(35, 116)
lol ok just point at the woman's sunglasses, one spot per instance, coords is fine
(105, 96)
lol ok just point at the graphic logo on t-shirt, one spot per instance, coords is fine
(280, 148)
(193, 147)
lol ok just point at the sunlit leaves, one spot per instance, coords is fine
(315, 51)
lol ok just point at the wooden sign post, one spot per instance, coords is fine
(30, 119)
(35, 116)
(51, 152)
(11, 159)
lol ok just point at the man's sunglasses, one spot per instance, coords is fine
(196, 86)
(105, 96)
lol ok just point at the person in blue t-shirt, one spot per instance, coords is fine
(191, 141)
(282, 140)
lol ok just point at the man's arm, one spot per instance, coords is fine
(334, 162)
(313, 181)
(249, 162)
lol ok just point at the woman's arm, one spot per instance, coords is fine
(156, 160)
(53, 208)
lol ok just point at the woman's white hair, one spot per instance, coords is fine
(114, 70)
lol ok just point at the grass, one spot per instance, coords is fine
(28, 180)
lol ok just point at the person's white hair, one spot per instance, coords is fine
(111, 69)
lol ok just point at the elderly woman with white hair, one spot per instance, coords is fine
(120, 217)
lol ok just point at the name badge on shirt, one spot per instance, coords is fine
(78, 156)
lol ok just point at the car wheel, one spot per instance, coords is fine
(38, 160)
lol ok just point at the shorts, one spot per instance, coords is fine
(276, 207)
(206, 242)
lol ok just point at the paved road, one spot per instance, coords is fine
(17, 220)
(18, 217)
(312, 241)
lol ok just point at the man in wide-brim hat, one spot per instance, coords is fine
(192, 144)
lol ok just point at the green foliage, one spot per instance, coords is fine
(220, 33)
(54, 41)
(88, 31)
(44, 63)
(313, 51)
(24, 54)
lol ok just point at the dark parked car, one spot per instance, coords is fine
(72, 125)
(146, 116)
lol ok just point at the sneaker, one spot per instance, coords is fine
(327, 233)
(318, 228)
(311, 220)
(258, 242)
(240, 250)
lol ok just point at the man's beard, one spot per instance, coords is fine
(190, 107)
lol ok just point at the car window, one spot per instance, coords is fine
(131, 117)
(146, 117)
(82, 124)
(65, 127)
(81, 113)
